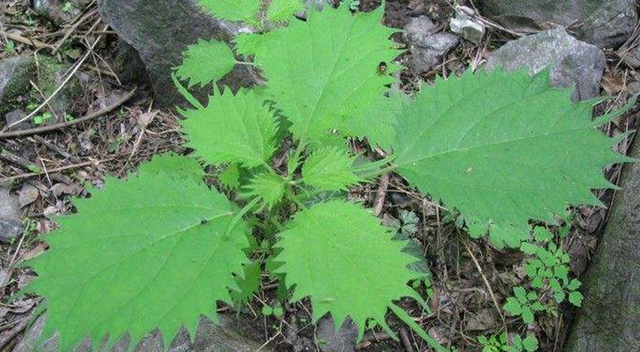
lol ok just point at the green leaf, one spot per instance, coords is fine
(503, 148)
(269, 187)
(282, 10)
(499, 235)
(378, 124)
(576, 298)
(513, 306)
(537, 306)
(333, 140)
(527, 315)
(561, 271)
(520, 293)
(574, 285)
(329, 169)
(375, 273)
(528, 248)
(146, 253)
(176, 166)
(541, 234)
(249, 283)
(325, 70)
(537, 282)
(530, 343)
(233, 10)
(205, 62)
(230, 177)
(248, 44)
(232, 129)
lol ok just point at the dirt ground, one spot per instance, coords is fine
(466, 273)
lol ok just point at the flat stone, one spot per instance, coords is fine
(604, 23)
(418, 29)
(9, 206)
(572, 62)
(28, 194)
(342, 340)
(161, 30)
(10, 224)
(466, 26)
(427, 47)
(633, 88)
(15, 116)
(632, 58)
(222, 337)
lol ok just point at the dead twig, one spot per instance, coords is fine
(73, 28)
(59, 169)
(94, 115)
(11, 334)
(404, 336)
(486, 282)
(32, 42)
(56, 149)
(381, 195)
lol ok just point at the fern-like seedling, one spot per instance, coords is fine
(163, 247)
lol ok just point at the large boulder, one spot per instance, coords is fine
(226, 336)
(572, 62)
(609, 319)
(604, 23)
(161, 30)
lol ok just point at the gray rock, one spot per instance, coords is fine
(606, 24)
(9, 205)
(633, 88)
(10, 229)
(59, 11)
(418, 29)
(632, 58)
(15, 116)
(14, 79)
(222, 337)
(330, 340)
(572, 61)
(127, 64)
(15, 88)
(161, 30)
(427, 47)
(10, 224)
(467, 27)
(28, 194)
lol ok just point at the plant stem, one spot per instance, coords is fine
(240, 214)
(378, 172)
(402, 315)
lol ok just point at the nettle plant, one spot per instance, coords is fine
(163, 248)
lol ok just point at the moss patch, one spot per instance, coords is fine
(18, 71)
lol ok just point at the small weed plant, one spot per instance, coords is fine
(161, 249)
(501, 343)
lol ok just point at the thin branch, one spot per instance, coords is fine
(94, 115)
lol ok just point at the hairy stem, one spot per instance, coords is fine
(402, 315)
